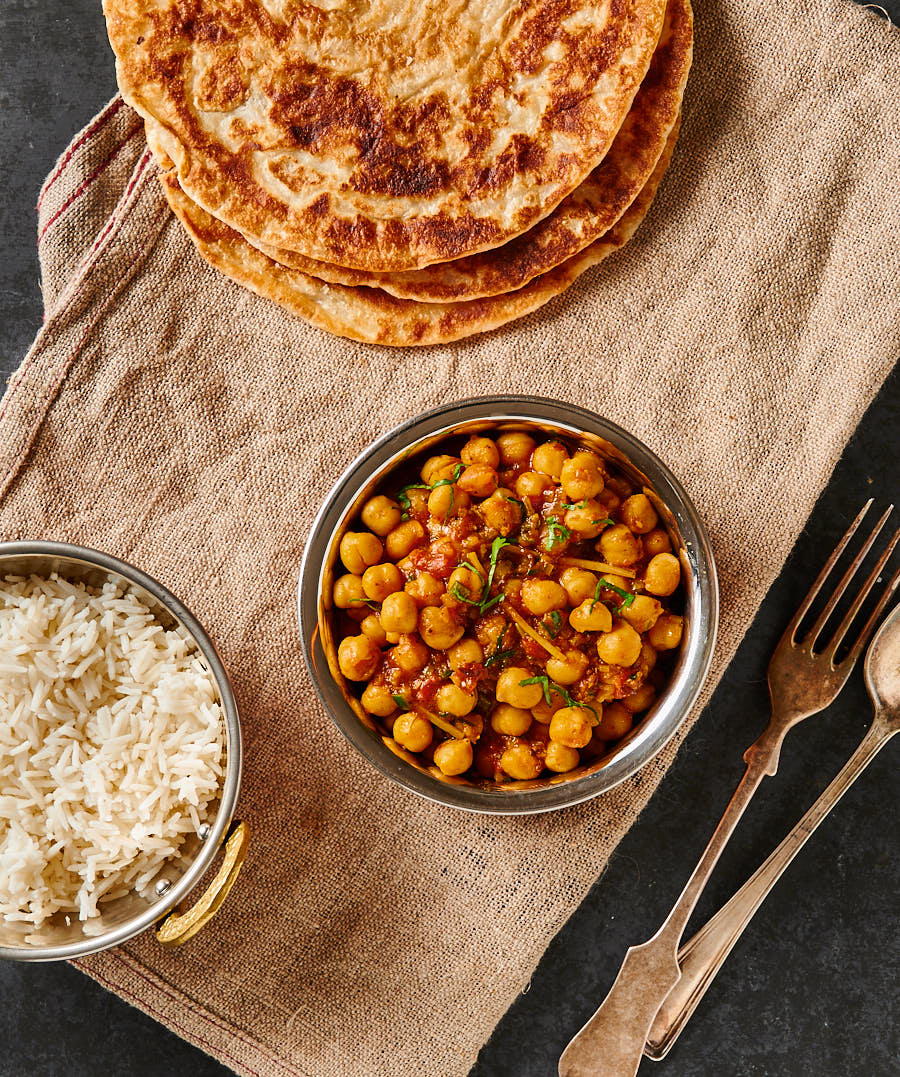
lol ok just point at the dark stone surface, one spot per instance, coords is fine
(814, 985)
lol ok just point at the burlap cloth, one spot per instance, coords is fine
(171, 418)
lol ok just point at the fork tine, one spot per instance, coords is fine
(844, 582)
(803, 608)
(875, 616)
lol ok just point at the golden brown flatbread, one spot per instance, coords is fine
(370, 314)
(383, 135)
(583, 216)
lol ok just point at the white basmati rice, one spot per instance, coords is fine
(111, 746)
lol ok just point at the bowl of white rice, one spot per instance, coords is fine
(120, 755)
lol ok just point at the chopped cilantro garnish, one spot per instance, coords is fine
(544, 682)
(486, 601)
(521, 504)
(400, 701)
(462, 593)
(556, 533)
(498, 654)
(602, 523)
(604, 584)
(556, 622)
(551, 686)
(403, 499)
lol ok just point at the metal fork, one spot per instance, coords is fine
(802, 682)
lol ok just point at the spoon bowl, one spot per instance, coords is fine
(881, 669)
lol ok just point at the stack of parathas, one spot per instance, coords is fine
(406, 171)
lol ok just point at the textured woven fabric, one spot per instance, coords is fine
(173, 419)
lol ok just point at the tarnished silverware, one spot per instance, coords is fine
(702, 957)
(802, 682)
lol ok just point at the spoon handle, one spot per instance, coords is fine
(612, 1041)
(702, 957)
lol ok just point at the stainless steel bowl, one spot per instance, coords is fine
(63, 938)
(546, 417)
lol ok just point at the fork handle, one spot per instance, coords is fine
(702, 957)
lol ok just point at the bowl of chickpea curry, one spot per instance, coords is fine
(508, 604)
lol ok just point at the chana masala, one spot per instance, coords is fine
(509, 611)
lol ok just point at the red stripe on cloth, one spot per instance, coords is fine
(107, 114)
(83, 186)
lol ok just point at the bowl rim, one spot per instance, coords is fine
(234, 750)
(674, 706)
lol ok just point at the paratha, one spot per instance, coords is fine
(383, 135)
(370, 314)
(583, 216)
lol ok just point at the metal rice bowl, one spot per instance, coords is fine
(64, 937)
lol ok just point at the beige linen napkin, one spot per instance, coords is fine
(171, 418)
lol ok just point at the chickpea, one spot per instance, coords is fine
(560, 757)
(571, 726)
(377, 699)
(643, 613)
(445, 501)
(358, 657)
(359, 549)
(381, 515)
(410, 654)
(479, 480)
(467, 652)
(648, 656)
(570, 671)
(579, 584)
(615, 722)
(657, 541)
(348, 592)
(609, 499)
(488, 631)
(511, 721)
(514, 448)
(435, 467)
(641, 699)
(425, 589)
(542, 596)
(665, 635)
(621, 646)
(451, 699)
(480, 451)
(581, 477)
(379, 581)
(663, 574)
(549, 458)
(501, 515)
(619, 546)
(544, 711)
(467, 580)
(372, 627)
(418, 501)
(586, 519)
(399, 613)
(639, 514)
(591, 616)
(520, 762)
(403, 539)
(532, 484)
(438, 627)
(510, 690)
(453, 757)
(413, 732)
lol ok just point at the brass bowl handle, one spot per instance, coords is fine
(179, 927)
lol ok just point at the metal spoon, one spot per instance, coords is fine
(702, 957)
